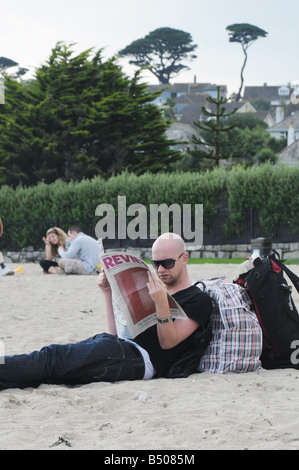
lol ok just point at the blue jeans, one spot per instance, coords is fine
(101, 358)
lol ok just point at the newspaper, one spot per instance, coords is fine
(134, 309)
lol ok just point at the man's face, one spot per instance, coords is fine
(72, 235)
(168, 276)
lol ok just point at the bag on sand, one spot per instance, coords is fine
(275, 309)
(236, 343)
(188, 362)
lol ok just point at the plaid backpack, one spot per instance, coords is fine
(236, 344)
(275, 309)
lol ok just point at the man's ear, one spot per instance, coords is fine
(186, 257)
(1, 227)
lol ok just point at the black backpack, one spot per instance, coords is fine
(188, 362)
(275, 309)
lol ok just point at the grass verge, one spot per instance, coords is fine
(225, 261)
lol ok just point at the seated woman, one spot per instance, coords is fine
(55, 238)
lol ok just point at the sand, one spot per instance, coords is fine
(257, 410)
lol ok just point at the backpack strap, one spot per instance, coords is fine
(273, 255)
(204, 287)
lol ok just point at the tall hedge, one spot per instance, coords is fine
(273, 191)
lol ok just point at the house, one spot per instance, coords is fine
(189, 109)
(279, 98)
(290, 155)
(181, 133)
(274, 94)
(179, 89)
(266, 116)
(287, 128)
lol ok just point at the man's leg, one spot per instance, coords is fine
(72, 266)
(4, 270)
(101, 358)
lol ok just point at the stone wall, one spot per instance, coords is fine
(285, 250)
(26, 255)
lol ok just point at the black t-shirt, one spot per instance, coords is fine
(197, 305)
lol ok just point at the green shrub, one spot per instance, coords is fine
(272, 191)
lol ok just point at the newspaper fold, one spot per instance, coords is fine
(134, 309)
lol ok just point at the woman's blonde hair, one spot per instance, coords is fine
(62, 236)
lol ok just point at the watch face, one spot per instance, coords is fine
(164, 320)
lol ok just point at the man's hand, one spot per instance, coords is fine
(156, 288)
(172, 333)
(103, 283)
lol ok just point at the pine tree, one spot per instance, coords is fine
(80, 117)
(214, 133)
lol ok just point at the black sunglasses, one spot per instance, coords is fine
(165, 263)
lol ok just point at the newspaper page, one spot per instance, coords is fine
(134, 308)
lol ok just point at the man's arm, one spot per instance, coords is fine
(106, 289)
(172, 333)
(72, 252)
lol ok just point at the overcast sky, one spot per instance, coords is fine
(30, 29)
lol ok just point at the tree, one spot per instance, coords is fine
(215, 131)
(245, 34)
(80, 117)
(267, 155)
(6, 63)
(255, 144)
(161, 52)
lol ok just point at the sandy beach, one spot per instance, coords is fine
(258, 410)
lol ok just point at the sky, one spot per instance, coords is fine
(30, 30)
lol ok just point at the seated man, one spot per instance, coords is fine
(83, 255)
(106, 357)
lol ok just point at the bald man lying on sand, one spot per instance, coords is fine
(106, 357)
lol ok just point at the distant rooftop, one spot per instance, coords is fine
(188, 87)
(269, 93)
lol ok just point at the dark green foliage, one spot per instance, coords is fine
(6, 63)
(272, 191)
(213, 141)
(161, 52)
(78, 118)
(244, 34)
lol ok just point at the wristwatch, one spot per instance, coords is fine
(164, 320)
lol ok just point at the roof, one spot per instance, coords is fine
(269, 93)
(290, 155)
(285, 123)
(188, 87)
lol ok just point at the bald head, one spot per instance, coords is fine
(171, 242)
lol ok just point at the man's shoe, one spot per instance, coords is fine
(6, 272)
